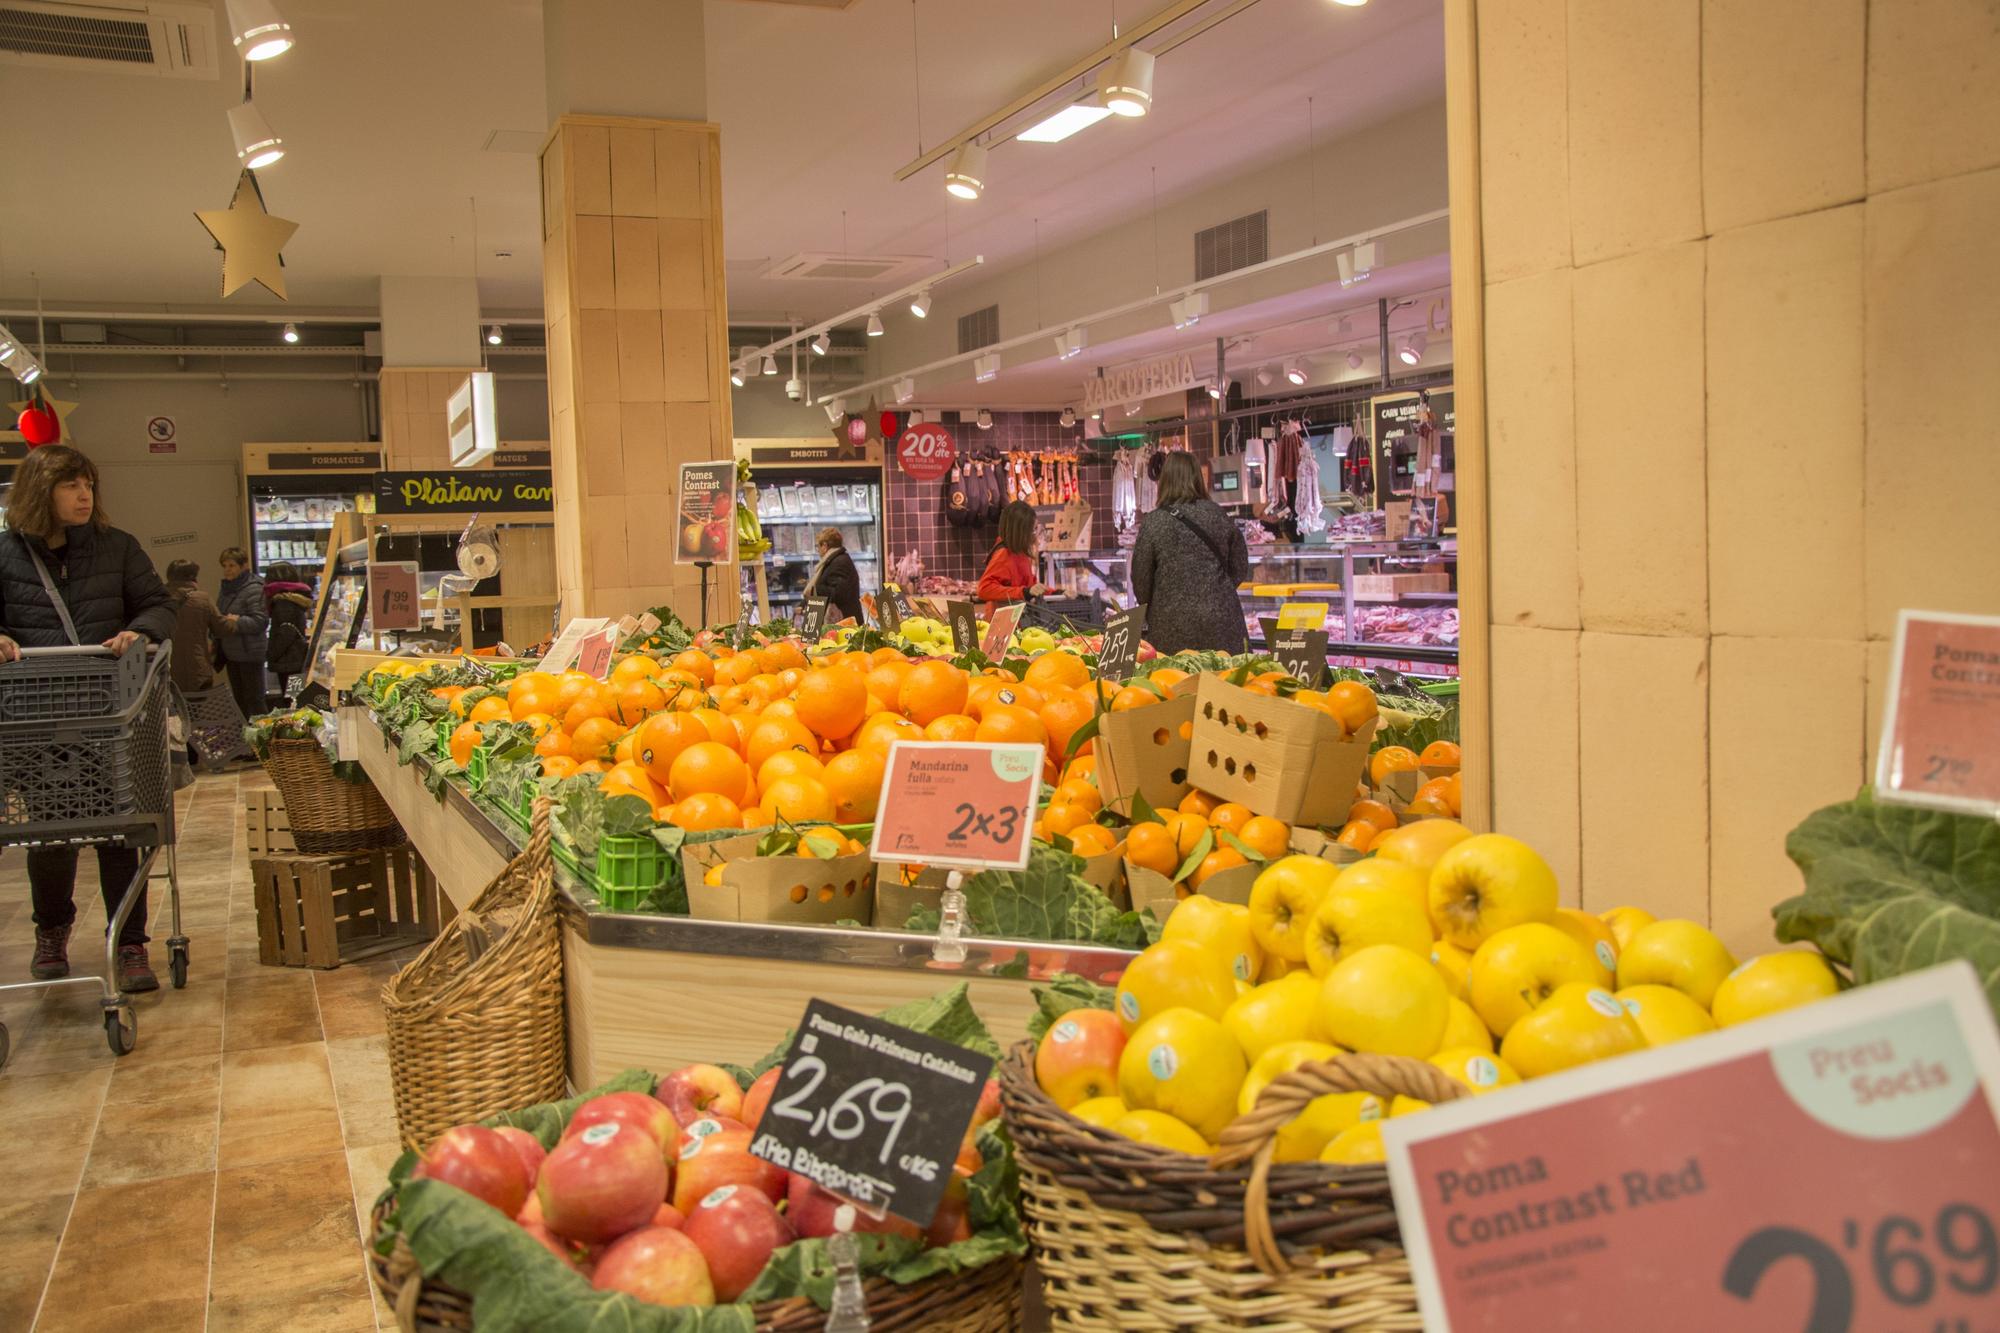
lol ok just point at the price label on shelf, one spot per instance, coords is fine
(889, 608)
(1301, 652)
(563, 652)
(871, 1111)
(960, 804)
(1000, 631)
(392, 595)
(1834, 1168)
(1941, 731)
(812, 618)
(964, 617)
(593, 657)
(1118, 650)
(1302, 615)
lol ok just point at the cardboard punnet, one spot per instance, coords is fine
(1279, 758)
(1145, 750)
(788, 890)
(1106, 874)
(1151, 889)
(1315, 842)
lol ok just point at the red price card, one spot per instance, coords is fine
(926, 452)
(1000, 631)
(970, 804)
(1941, 729)
(1832, 1169)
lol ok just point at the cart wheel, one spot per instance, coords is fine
(177, 965)
(121, 1029)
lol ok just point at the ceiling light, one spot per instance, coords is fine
(1070, 343)
(985, 368)
(1076, 116)
(1125, 85)
(257, 144)
(874, 324)
(1219, 388)
(836, 410)
(821, 341)
(1187, 311)
(1295, 372)
(967, 175)
(493, 335)
(1264, 377)
(1351, 4)
(736, 373)
(1097, 415)
(258, 30)
(770, 364)
(906, 389)
(18, 359)
(1067, 419)
(920, 304)
(1412, 350)
(291, 333)
(984, 419)
(1353, 359)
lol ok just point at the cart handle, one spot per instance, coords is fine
(79, 650)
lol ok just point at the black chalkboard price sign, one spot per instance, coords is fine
(812, 618)
(1301, 652)
(1118, 651)
(964, 626)
(871, 1111)
(889, 608)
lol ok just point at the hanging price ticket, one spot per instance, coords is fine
(967, 803)
(1941, 729)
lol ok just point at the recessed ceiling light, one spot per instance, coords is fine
(770, 364)
(1295, 372)
(1076, 116)
(966, 176)
(1125, 84)
(257, 144)
(291, 333)
(1351, 4)
(874, 324)
(258, 30)
(920, 304)
(493, 334)
(821, 341)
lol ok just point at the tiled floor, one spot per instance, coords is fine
(215, 1178)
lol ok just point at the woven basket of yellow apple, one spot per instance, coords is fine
(1202, 1147)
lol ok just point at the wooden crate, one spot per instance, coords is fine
(321, 911)
(267, 829)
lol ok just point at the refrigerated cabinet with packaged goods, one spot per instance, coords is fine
(295, 492)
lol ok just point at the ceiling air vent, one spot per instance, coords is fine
(820, 265)
(979, 329)
(1228, 246)
(165, 40)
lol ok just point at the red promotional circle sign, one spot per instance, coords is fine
(926, 452)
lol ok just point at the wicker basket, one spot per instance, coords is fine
(329, 816)
(986, 1300)
(1131, 1236)
(469, 1039)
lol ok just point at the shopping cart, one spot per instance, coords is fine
(215, 726)
(83, 761)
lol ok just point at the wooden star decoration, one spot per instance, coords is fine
(249, 239)
(60, 406)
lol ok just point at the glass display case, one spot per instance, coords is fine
(291, 518)
(793, 506)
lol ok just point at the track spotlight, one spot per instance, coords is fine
(1295, 372)
(1097, 415)
(493, 335)
(736, 373)
(966, 176)
(257, 144)
(18, 360)
(291, 333)
(1219, 388)
(917, 417)
(821, 341)
(1412, 350)
(1125, 84)
(258, 30)
(1070, 343)
(920, 304)
(1353, 359)
(770, 364)
(906, 389)
(1187, 311)
(984, 419)
(836, 410)
(874, 324)
(1067, 419)
(1264, 377)
(985, 368)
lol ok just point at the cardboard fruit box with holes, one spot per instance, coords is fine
(1151, 889)
(789, 889)
(1279, 758)
(1145, 750)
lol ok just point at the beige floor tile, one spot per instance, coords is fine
(287, 1250)
(361, 1084)
(31, 1227)
(158, 1121)
(274, 1009)
(54, 1112)
(368, 1173)
(277, 1103)
(134, 1256)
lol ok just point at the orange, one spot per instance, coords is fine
(1064, 715)
(885, 682)
(523, 704)
(464, 740)
(881, 655)
(929, 691)
(719, 726)
(637, 699)
(709, 766)
(558, 766)
(786, 655)
(1092, 839)
(878, 733)
(622, 752)
(594, 739)
(1222, 858)
(554, 744)
(1200, 803)
(661, 739)
(1059, 669)
(448, 692)
(570, 687)
(530, 682)
(773, 734)
(1152, 846)
(1231, 816)
(641, 783)
(1131, 697)
(1061, 817)
(1430, 805)
(1353, 703)
(1372, 812)
(1357, 834)
(855, 779)
(1440, 754)
(951, 727)
(1079, 792)
(697, 664)
(788, 764)
(736, 699)
(591, 766)
(706, 810)
(594, 701)
(541, 724)
(1018, 696)
(831, 701)
(1186, 828)
(1167, 677)
(766, 686)
(736, 670)
(798, 801)
(493, 708)
(1083, 766)
(1269, 838)
(1390, 759)
(1007, 722)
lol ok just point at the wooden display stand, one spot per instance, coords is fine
(322, 911)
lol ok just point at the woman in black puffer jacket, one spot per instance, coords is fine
(115, 598)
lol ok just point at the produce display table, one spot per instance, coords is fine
(657, 992)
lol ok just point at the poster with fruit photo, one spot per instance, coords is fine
(707, 511)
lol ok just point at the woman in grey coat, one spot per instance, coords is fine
(1186, 564)
(242, 600)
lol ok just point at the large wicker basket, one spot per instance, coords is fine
(986, 1300)
(471, 1038)
(329, 816)
(1131, 1236)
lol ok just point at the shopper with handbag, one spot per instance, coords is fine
(1010, 570)
(67, 577)
(1186, 564)
(835, 577)
(242, 600)
(288, 601)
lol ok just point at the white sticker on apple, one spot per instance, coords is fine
(717, 1196)
(597, 1134)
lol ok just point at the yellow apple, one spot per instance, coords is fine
(1174, 974)
(1099, 1111)
(1625, 922)
(1477, 1068)
(1464, 1029)
(1665, 1014)
(1594, 936)
(1357, 1145)
(1772, 982)
(1680, 954)
(1301, 1138)
(1410, 881)
(1453, 964)
(1384, 1000)
(1487, 883)
(1578, 1024)
(1222, 929)
(1354, 916)
(1277, 1011)
(1162, 1131)
(1282, 901)
(1184, 1063)
(1276, 967)
(1519, 968)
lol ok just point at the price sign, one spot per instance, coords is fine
(926, 452)
(1941, 730)
(1118, 650)
(1302, 615)
(812, 618)
(962, 804)
(1301, 652)
(889, 608)
(562, 653)
(392, 595)
(593, 656)
(964, 617)
(1000, 631)
(872, 1111)
(1834, 1168)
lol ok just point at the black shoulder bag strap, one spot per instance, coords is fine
(1221, 561)
(49, 586)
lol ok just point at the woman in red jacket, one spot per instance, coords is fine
(1010, 570)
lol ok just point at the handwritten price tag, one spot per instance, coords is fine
(812, 618)
(392, 595)
(1301, 652)
(1118, 651)
(889, 608)
(964, 617)
(1000, 631)
(1941, 731)
(961, 804)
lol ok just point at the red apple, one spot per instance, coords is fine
(553, 1243)
(628, 1108)
(989, 1103)
(759, 1096)
(602, 1183)
(810, 1210)
(668, 1216)
(953, 1221)
(658, 1265)
(531, 1211)
(720, 1159)
(480, 1162)
(736, 1228)
(527, 1147)
(700, 1090)
(1078, 1059)
(702, 1128)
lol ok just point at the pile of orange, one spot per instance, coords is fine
(1437, 798)
(1165, 846)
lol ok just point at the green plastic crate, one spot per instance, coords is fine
(628, 868)
(475, 768)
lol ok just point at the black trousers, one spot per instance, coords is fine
(52, 877)
(246, 682)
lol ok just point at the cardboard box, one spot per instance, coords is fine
(1400, 788)
(1396, 520)
(895, 900)
(1388, 587)
(1278, 758)
(1145, 750)
(1313, 842)
(787, 890)
(1151, 889)
(1106, 873)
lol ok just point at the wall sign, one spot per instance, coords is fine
(1941, 732)
(1139, 381)
(1831, 1169)
(926, 452)
(871, 1111)
(448, 492)
(342, 460)
(707, 525)
(160, 436)
(958, 804)
(811, 452)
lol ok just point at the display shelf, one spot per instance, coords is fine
(829, 520)
(775, 559)
(296, 527)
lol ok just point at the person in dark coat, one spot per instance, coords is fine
(835, 577)
(114, 598)
(196, 622)
(288, 602)
(1186, 564)
(242, 600)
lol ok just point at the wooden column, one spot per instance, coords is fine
(638, 354)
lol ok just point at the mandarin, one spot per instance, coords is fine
(1269, 838)
(831, 702)
(709, 766)
(798, 801)
(855, 779)
(1152, 846)
(951, 727)
(704, 811)
(930, 691)
(661, 739)
(1011, 723)
(594, 738)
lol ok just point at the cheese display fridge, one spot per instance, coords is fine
(296, 491)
